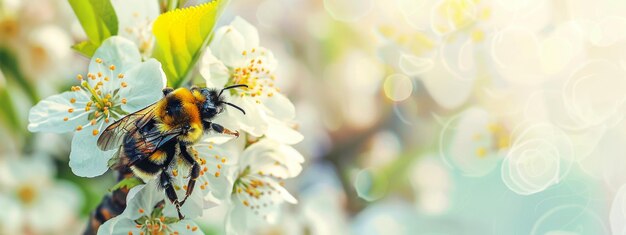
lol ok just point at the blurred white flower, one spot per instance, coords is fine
(234, 57)
(148, 213)
(258, 191)
(135, 22)
(322, 201)
(46, 53)
(118, 83)
(540, 157)
(474, 142)
(432, 184)
(32, 201)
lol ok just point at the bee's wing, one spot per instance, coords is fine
(146, 142)
(112, 137)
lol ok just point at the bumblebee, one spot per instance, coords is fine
(150, 140)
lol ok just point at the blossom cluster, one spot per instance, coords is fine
(246, 174)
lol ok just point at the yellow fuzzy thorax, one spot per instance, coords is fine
(190, 115)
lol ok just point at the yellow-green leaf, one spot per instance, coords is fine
(180, 36)
(98, 19)
(87, 48)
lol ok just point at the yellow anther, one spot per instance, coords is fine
(112, 67)
(217, 174)
(70, 110)
(106, 79)
(92, 122)
(72, 100)
(95, 132)
(78, 128)
(124, 84)
(120, 76)
(66, 118)
(79, 77)
(245, 203)
(98, 60)
(99, 74)
(124, 100)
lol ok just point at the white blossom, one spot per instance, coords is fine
(235, 57)
(118, 83)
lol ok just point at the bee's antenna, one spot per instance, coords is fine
(234, 106)
(231, 87)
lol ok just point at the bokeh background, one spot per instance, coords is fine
(419, 116)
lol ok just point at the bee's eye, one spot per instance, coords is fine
(209, 109)
(205, 92)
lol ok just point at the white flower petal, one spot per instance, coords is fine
(448, 91)
(248, 31)
(86, 159)
(279, 106)
(144, 200)
(48, 115)
(135, 18)
(118, 225)
(236, 219)
(186, 227)
(195, 203)
(116, 51)
(283, 192)
(413, 65)
(281, 132)
(469, 146)
(145, 83)
(213, 70)
(217, 160)
(228, 45)
(272, 158)
(252, 122)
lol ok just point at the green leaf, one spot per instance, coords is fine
(99, 21)
(180, 36)
(127, 183)
(86, 48)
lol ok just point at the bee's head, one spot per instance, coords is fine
(214, 101)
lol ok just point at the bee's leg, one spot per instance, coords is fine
(167, 90)
(166, 183)
(195, 171)
(220, 129)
